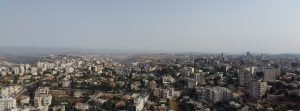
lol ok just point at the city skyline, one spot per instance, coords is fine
(150, 55)
(179, 26)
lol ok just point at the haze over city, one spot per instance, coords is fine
(268, 26)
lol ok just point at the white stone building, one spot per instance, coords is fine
(42, 98)
(7, 103)
(257, 89)
(218, 94)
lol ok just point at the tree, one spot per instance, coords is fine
(109, 105)
(16, 78)
(187, 107)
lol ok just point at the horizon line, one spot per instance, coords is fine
(134, 51)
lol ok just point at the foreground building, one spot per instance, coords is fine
(42, 98)
(7, 103)
(140, 101)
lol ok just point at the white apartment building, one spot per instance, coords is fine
(166, 93)
(42, 98)
(270, 74)
(244, 78)
(140, 100)
(34, 71)
(168, 79)
(199, 77)
(192, 83)
(7, 103)
(257, 89)
(22, 71)
(218, 94)
(16, 70)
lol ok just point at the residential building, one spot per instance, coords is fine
(218, 94)
(257, 89)
(7, 103)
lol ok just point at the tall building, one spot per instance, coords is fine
(34, 70)
(192, 83)
(140, 101)
(22, 71)
(42, 98)
(244, 77)
(16, 70)
(257, 89)
(218, 94)
(270, 74)
(199, 77)
(39, 64)
(7, 103)
(27, 67)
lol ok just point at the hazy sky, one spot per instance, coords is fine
(162, 25)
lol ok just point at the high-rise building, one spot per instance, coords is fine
(27, 66)
(140, 101)
(218, 94)
(192, 83)
(244, 77)
(34, 70)
(270, 74)
(39, 64)
(199, 77)
(257, 89)
(42, 98)
(22, 71)
(16, 70)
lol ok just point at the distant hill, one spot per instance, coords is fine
(33, 51)
(19, 59)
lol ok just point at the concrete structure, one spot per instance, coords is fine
(140, 101)
(22, 71)
(218, 94)
(77, 94)
(192, 83)
(42, 98)
(34, 71)
(16, 70)
(81, 106)
(166, 93)
(66, 83)
(257, 89)
(7, 103)
(168, 79)
(199, 77)
(59, 108)
(270, 74)
(24, 99)
(244, 78)
(10, 91)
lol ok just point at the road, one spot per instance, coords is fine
(21, 92)
(93, 97)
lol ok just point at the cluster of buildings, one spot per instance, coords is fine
(151, 82)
